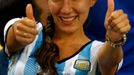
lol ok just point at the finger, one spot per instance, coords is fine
(28, 22)
(23, 40)
(120, 19)
(120, 25)
(24, 34)
(29, 12)
(110, 9)
(26, 29)
(117, 14)
(15, 26)
(125, 29)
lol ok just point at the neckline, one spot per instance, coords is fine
(63, 60)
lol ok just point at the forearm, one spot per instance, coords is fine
(109, 56)
(109, 59)
(11, 42)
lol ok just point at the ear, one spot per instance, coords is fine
(92, 2)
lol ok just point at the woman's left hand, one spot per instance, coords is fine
(116, 22)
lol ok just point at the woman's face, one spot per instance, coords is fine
(69, 15)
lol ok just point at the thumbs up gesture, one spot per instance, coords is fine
(116, 22)
(24, 30)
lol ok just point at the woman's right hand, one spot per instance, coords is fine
(25, 30)
(22, 32)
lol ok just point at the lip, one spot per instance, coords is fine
(67, 20)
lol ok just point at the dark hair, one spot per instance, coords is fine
(48, 54)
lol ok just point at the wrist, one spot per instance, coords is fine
(116, 44)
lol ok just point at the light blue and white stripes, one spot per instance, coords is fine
(25, 63)
(67, 67)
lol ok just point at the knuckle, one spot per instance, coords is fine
(127, 21)
(126, 16)
(121, 11)
(34, 31)
(129, 26)
(31, 40)
(17, 38)
(114, 22)
(121, 30)
(117, 26)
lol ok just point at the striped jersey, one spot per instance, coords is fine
(83, 62)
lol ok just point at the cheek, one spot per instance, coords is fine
(83, 13)
(83, 10)
(81, 7)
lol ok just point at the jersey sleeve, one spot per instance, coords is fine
(7, 26)
(96, 45)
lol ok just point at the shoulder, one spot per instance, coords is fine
(9, 23)
(96, 45)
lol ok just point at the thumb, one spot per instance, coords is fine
(110, 9)
(29, 12)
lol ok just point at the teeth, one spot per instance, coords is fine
(67, 18)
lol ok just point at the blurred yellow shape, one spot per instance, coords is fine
(1, 47)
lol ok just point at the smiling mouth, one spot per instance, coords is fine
(68, 20)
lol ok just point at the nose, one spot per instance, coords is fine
(66, 7)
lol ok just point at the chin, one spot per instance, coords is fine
(69, 30)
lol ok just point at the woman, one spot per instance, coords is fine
(63, 48)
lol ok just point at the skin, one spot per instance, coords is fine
(19, 27)
(69, 17)
(63, 11)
